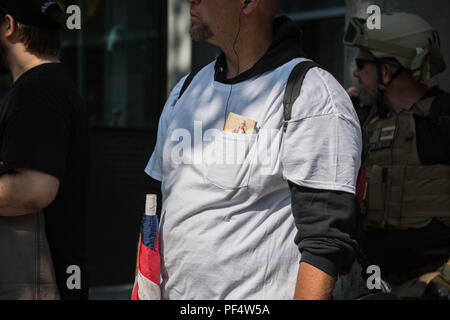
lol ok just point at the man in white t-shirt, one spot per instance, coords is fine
(248, 211)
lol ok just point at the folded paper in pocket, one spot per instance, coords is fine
(239, 124)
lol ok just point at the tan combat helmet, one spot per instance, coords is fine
(403, 36)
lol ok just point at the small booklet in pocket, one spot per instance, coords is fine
(239, 124)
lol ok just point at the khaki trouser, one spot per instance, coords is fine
(26, 267)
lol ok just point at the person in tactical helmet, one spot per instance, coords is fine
(406, 195)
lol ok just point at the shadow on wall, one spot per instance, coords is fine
(119, 157)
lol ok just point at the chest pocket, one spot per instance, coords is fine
(229, 160)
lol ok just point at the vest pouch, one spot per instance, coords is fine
(26, 268)
(376, 196)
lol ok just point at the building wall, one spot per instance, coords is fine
(118, 60)
(179, 44)
(116, 202)
(435, 12)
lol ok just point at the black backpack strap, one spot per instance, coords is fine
(294, 86)
(189, 79)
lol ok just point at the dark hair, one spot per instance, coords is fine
(39, 41)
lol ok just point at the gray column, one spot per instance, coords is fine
(179, 44)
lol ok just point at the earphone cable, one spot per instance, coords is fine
(238, 66)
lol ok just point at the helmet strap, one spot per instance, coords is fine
(380, 91)
(383, 110)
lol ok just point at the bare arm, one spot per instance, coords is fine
(313, 284)
(26, 191)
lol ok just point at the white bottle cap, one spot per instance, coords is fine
(150, 205)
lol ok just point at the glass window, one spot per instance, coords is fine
(118, 60)
(289, 6)
(323, 26)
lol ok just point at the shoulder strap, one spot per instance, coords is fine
(440, 109)
(189, 79)
(294, 87)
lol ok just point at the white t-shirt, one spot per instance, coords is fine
(227, 230)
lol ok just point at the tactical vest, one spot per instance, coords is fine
(26, 267)
(401, 192)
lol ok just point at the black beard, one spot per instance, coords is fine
(201, 32)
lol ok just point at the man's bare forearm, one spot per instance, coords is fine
(313, 284)
(26, 192)
(13, 201)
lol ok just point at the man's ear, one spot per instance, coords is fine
(249, 6)
(387, 71)
(8, 26)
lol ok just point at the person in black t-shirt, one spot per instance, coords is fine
(44, 153)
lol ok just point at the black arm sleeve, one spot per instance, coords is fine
(37, 138)
(328, 225)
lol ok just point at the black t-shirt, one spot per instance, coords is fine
(44, 127)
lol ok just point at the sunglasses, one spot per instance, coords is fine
(361, 63)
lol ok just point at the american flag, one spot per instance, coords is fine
(148, 277)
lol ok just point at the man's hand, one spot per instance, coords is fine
(26, 191)
(354, 92)
(313, 284)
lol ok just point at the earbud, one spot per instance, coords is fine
(246, 3)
